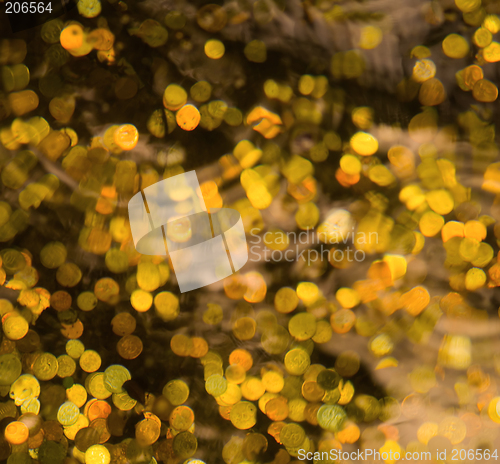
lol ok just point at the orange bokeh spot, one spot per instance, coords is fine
(494, 273)
(452, 229)
(241, 357)
(109, 191)
(256, 287)
(72, 331)
(209, 189)
(97, 409)
(210, 194)
(380, 273)
(235, 286)
(475, 229)
(200, 347)
(416, 300)
(367, 289)
(126, 136)
(188, 117)
(277, 409)
(265, 122)
(346, 180)
(342, 321)
(71, 37)
(16, 433)
(104, 206)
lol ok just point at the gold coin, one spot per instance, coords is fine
(176, 391)
(100, 424)
(200, 347)
(68, 413)
(90, 361)
(123, 401)
(254, 445)
(292, 435)
(129, 347)
(211, 18)
(106, 288)
(147, 431)
(297, 361)
(14, 326)
(10, 369)
(60, 300)
(213, 314)
(97, 454)
(96, 386)
(175, 20)
(252, 388)
(244, 328)
(185, 445)
(16, 433)
(453, 428)
(12, 260)
(216, 385)
(235, 373)
(331, 417)
(286, 300)
(188, 117)
(275, 340)
(166, 305)
(66, 366)
(243, 415)
(432, 92)
(485, 91)
(68, 274)
(181, 418)
(455, 46)
(302, 326)
(174, 97)
(123, 324)
(231, 396)
(277, 408)
(255, 51)
(86, 301)
(53, 255)
(181, 345)
(311, 391)
(74, 348)
(71, 430)
(77, 394)
(24, 388)
(115, 376)
(241, 357)
(141, 300)
(45, 366)
(273, 381)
